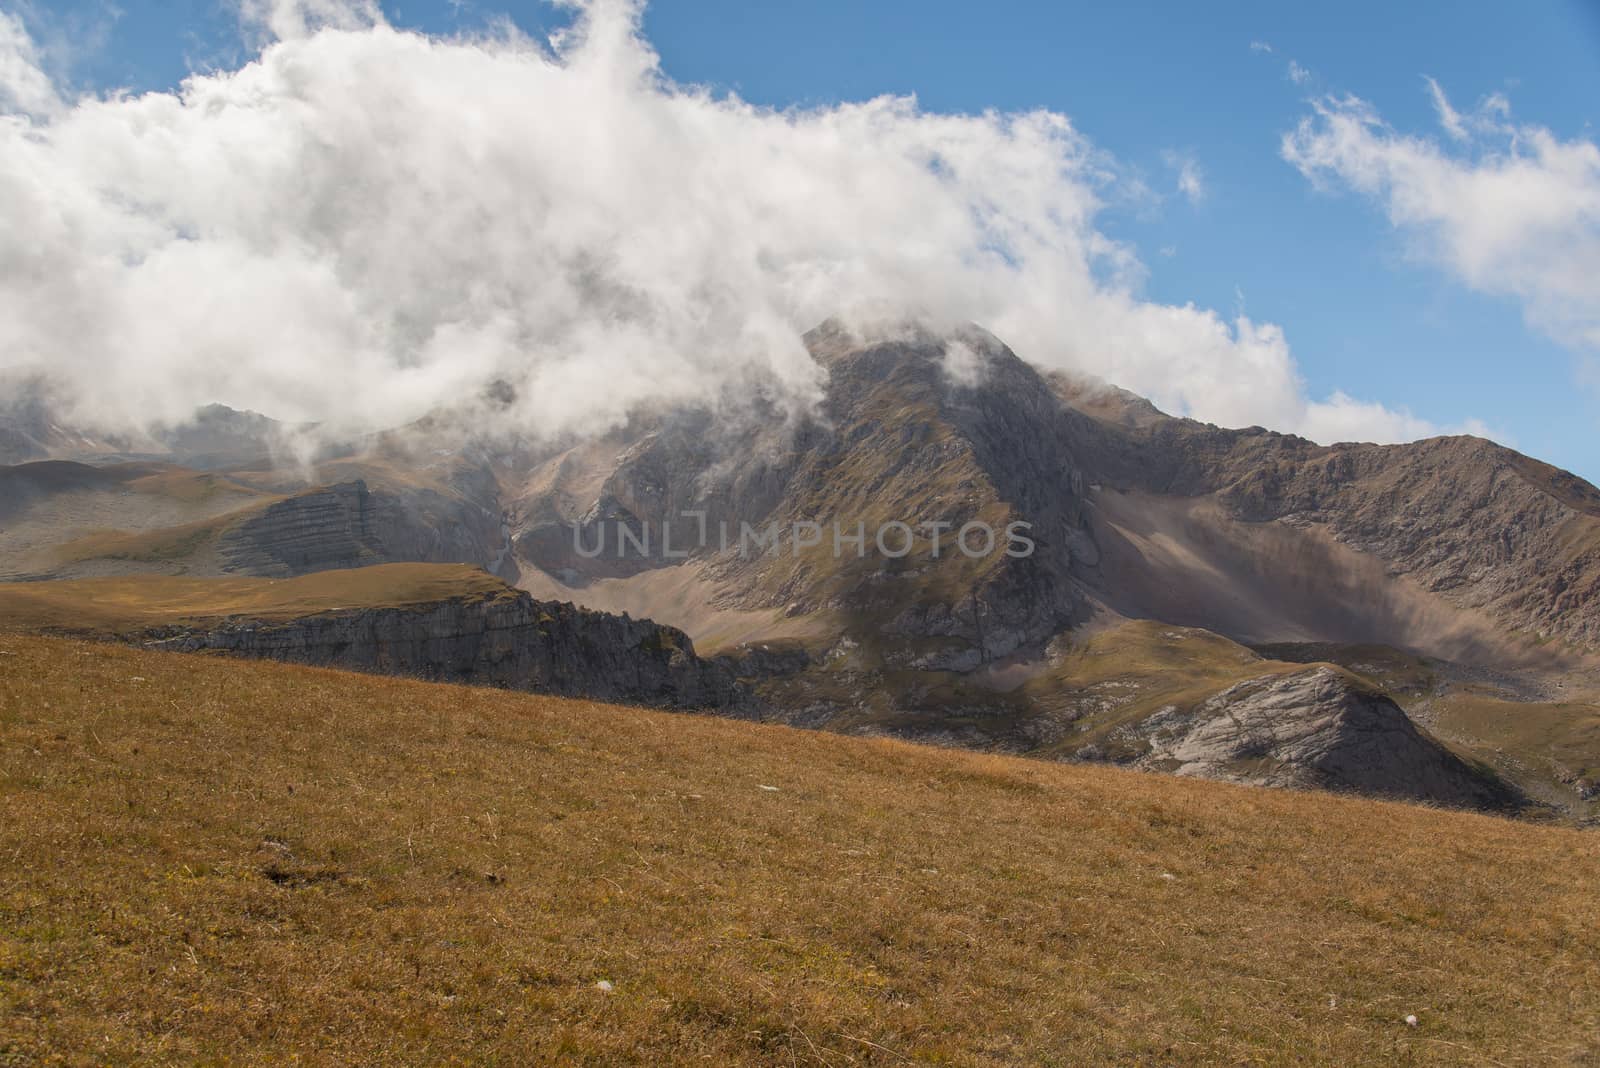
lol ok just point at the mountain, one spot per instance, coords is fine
(1456, 552)
(1146, 584)
(30, 429)
(1450, 546)
(1476, 527)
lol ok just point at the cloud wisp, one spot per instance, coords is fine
(1189, 178)
(363, 224)
(1507, 209)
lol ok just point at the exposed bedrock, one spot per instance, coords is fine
(507, 640)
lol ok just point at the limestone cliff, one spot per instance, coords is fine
(503, 639)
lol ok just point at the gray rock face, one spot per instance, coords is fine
(1314, 729)
(346, 525)
(506, 640)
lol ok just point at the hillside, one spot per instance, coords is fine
(1457, 552)
(232, 861)
(137, 603)
(434, 621)
(1146, 695)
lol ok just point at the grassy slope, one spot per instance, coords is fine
(137, 602)
(138, 514)
(221, 860)
(172, 544)
(1127, 673)
(1538, 744)
(167, 544)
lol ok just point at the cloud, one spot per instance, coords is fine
(1261, 46)
(1190, 179)
(1510, 210)
(1343, 418)
(24, 87)
(1298, 74)
(1449, 118)
(361, 224)
(292, 19)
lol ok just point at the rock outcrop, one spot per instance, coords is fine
(346, 525)
(1319, 729)
(506, 639)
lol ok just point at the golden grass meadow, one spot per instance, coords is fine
(215, 861)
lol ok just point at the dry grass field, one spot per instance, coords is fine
(216, 861)
(135, 603)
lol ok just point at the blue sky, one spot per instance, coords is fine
(1153, 85)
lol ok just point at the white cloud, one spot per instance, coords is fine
(1261, 46)
(1343, 418)
(1190, 179)
(1449, 118)
(1513, 210)
(1298, 74)
(361, 224)
(290, 19)
(24, 87)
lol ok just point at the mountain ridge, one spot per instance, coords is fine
(1453, 549)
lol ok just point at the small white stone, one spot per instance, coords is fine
(771, 789)
(1411, 1021)
(1168, 875)
(604, 986)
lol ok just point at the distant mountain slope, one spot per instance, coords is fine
(30, 428)
(1488, 529)
(921, 426)
(1456, 545)
(60, 519)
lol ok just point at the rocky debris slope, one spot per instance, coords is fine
(504, 639)
(1320, 729)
